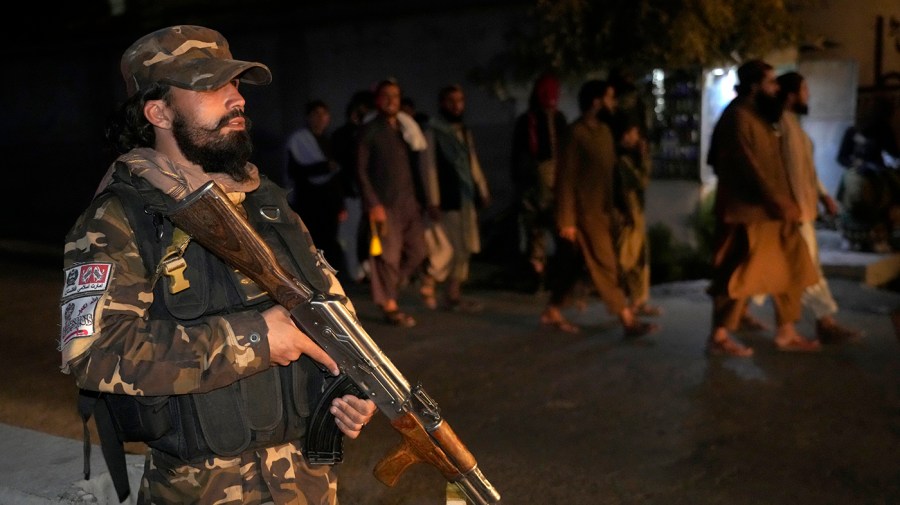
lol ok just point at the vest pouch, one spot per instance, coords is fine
(222, 422)
(139, 418)
(262, 393)
(306, 383)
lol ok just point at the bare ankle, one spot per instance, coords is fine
(719, 334)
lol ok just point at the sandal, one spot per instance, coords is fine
(639, 329)
(645, 309)
(558, 322)
(397, 318)
(728, 347)
(799, 344)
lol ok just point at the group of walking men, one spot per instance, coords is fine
(580, 189)
(411, 181)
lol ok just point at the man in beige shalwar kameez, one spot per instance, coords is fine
(455, 188)
(809, 192)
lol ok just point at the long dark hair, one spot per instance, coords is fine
(128, 128)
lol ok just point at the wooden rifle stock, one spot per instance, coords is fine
(417, 447)
(215, 223)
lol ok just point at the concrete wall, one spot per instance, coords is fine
(851, 25)
(832, 108)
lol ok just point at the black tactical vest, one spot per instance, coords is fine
(265, 409)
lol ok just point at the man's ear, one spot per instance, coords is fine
(158, 114)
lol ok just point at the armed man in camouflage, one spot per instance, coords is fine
(180, 350)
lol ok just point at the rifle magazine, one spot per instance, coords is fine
(324, 444)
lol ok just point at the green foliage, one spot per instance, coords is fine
(575, 38)
(672, 260)
(703, 222)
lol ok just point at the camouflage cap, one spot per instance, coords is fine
(189, 57)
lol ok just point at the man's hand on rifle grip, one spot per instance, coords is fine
(287, 342)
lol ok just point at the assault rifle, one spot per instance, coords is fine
(215, 223)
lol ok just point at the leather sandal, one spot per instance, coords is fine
(639, 329)
(648, 310)
(558, 322)
(728, 347)
(397, 318)
(798, 344)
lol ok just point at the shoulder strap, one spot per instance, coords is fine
(144, 208)
(91, 402)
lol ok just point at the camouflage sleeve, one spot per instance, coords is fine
(110, 343)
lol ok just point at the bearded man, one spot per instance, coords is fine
(758, 246)
(170, 345)
(455, 188)
(810, 192)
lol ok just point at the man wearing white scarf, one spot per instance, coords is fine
(797, 149)
(389, 154)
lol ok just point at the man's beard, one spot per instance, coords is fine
(214, 152)
(769, 107)
(450, 117)
(801, 108)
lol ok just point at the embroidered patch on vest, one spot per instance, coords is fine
(77, 318)
(87, 278)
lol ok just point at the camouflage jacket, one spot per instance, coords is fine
(109, 341)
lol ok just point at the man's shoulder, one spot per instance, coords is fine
(108, 204)
(438, 126)
(736, 110)
(102, 219)
(578, 127)
(299, 133)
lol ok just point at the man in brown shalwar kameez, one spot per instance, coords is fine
(584, 212)
(758, 246)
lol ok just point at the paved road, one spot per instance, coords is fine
(591, 419)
